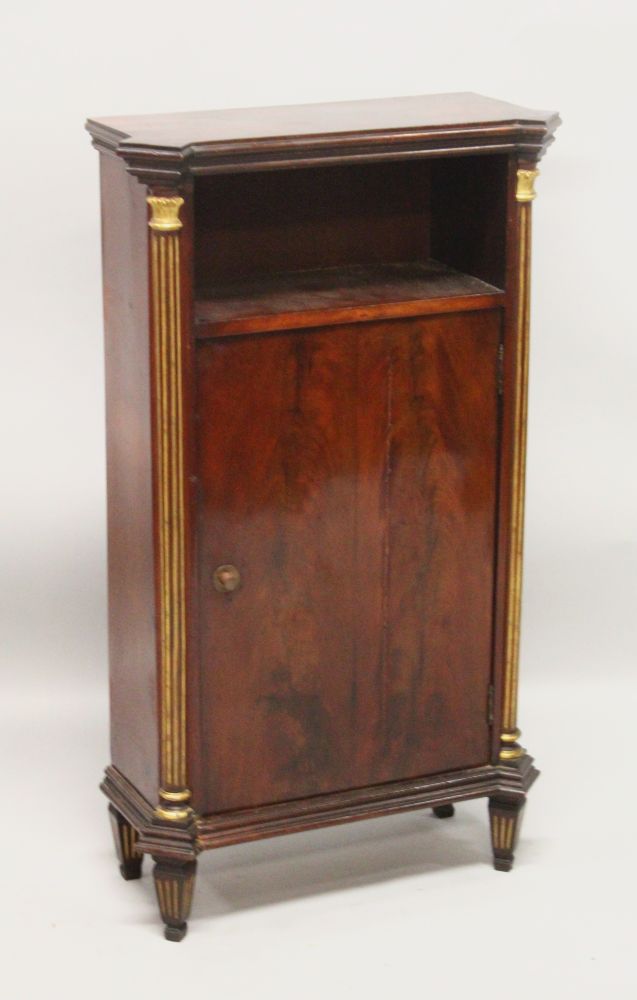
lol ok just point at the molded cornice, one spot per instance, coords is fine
(163, 149)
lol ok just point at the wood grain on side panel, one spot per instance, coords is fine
(132, 651)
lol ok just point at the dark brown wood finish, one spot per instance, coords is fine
(505, 820)
(502, 780)
(513, 364)
(337, 429)
(126, 839)
(355, 492)
(131, 598)
(174, 885)
(178, 315)
(254, 225)
(339, 295)
(505, 451)
(469, 214)
(160, 149)
(444, 812)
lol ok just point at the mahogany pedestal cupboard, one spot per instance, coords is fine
(317, 328)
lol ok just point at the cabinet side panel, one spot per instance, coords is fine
(132, 649)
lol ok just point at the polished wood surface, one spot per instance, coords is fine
(393, 114)
(505, 819)
(323, 382)
(354, 490)
(512, 779)
(174, 886)
(161, 148)
(131, 594)
(339, 295)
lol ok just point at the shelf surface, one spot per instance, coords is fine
(339, 295)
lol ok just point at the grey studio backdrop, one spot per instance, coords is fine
(368, 907)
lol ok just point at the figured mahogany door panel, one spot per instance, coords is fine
(348, 473)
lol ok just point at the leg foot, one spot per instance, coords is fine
(444, 812)
(505, 818)
(174, 884)
(125, 837)
(175, 933)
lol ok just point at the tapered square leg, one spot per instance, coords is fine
(125, 837)
(174, 884)
(505, 819)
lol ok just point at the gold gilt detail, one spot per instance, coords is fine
(188, 891)
(124, 837)
(128, 840)
(176, 815)
(161, 896)
(167, 347)
(503, 831)
(525, 190)
(169, 891)
(165, 214)
(175, 897)
(510, 734)
(512, 737)
(181, 796)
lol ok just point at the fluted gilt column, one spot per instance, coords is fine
(510, 748)
(166, 320)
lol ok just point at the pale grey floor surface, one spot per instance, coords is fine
(398, 906)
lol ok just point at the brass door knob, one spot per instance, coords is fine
(226, 579)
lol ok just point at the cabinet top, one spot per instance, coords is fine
(166, 147)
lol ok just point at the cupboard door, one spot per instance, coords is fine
(349, 475)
